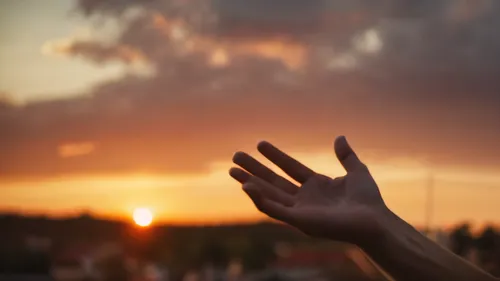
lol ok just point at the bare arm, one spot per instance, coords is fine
(407, 255)
(350, 209)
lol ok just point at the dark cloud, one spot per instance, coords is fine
(417, 36)
(447, 36)
(145, 126)
(423, 84)
(260, 17)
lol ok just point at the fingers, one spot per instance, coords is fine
(266, 189)
(290, 166)
(240, 175)
(268, 207)
(253, 166)
(346, 155)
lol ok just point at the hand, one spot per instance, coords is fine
(347, 208)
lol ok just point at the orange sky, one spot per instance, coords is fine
(116, 106)
(213, 197)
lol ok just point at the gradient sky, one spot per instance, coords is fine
(111, 105)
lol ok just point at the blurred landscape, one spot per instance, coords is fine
(86, 248)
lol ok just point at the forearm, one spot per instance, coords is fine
(407, 255)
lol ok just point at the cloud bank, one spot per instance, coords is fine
(401, 78)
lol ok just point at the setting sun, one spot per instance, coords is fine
(143, 216)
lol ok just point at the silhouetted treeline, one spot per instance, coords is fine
(485, 245)
(15, 228)
(182, 248)
(24, 262)
(179, 247)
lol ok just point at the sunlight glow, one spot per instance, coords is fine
(369, 42)
(402, 181)
(143, 217)
(219, 58)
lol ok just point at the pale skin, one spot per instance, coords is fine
(349, 208)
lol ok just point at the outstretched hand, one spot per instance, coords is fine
(345, 208)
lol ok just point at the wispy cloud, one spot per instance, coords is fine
(76, 149)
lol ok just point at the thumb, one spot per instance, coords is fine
(346, 155)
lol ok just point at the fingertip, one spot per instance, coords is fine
(342, 148)
(340, 141)
(268, 149)
(239, 175)
(233, 171)
(238, 156)
(264, 145)
(347, 156)
(340, 138)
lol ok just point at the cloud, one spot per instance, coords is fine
(76, 149)
(95, 51)
(401, 79)
(424, 36)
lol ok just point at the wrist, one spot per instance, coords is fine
(387, 226)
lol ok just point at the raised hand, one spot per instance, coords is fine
(345, 208)
(349, 209)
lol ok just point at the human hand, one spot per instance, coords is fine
(347, 208)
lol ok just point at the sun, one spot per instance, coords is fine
(143, 216)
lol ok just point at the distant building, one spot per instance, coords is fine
(439, 236)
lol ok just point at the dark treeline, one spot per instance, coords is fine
(183, 248)
(485, 246)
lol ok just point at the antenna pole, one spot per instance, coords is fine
(429, 208)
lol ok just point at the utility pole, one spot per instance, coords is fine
(429, 204)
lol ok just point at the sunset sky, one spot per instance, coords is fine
(109, 105)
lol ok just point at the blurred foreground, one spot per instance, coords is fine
(85, 248)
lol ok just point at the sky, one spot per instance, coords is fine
(106, 106)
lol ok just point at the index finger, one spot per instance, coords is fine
(289, 165)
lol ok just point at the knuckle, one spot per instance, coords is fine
(362, 167)
(321, 179)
